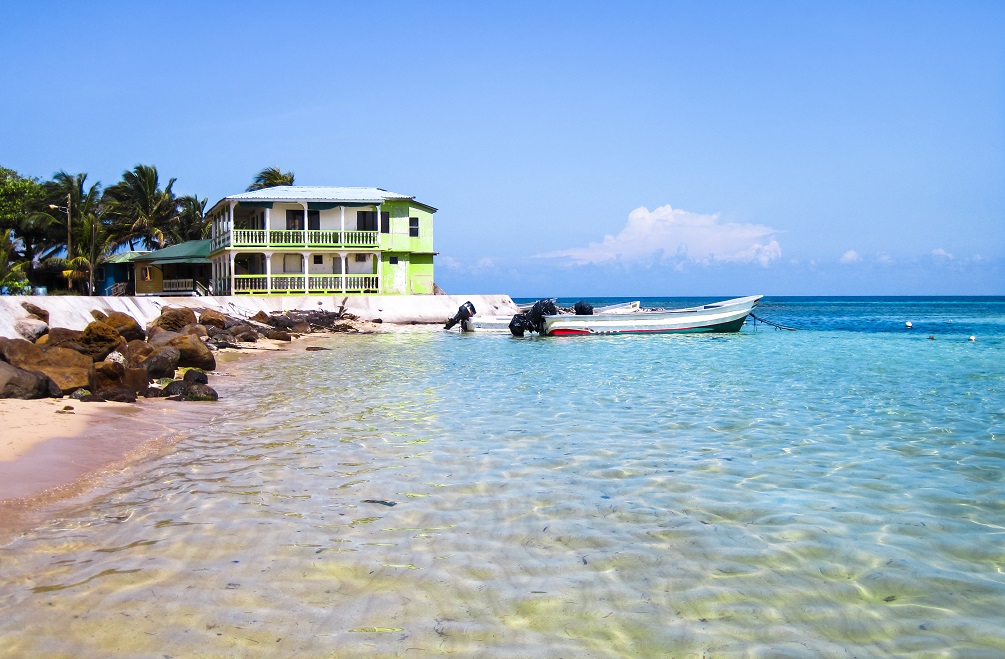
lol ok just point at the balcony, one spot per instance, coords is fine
(296, 239)
(315, 284)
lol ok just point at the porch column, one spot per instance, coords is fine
(306, 268)
(267, 221)
(341, 256)
(341, 236)
(304, 204)
(268, 268)
(233, 288)
(230, 220)
(380, 268)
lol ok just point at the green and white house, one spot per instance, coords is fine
(314, 240)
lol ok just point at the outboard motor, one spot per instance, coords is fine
(520, 324)
(533, 320)
(463, 316)
(583, 308)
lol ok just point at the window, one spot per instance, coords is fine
(146, 273)
(413, 227)
(366, 220)
(385, 222)
(294, 220)
(318, 259)
(313, 220)
(393, 260)
(361, 258)
(292, 263)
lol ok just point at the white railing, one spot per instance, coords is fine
(175, 285)
(295, 238)
(283, 284)
(118, 288)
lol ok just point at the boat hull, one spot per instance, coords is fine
(727, 316)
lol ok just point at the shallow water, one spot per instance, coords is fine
(836, 491)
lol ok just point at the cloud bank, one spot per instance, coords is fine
(677, 235)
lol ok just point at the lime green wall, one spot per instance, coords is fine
(420, 274)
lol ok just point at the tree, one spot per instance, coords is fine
(139, 210)
(191, 223)
(69, 205)
(19, 198)
(270, 177)
(13, 272)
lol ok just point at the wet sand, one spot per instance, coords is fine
(52, 450)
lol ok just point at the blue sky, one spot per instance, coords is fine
(573, 149)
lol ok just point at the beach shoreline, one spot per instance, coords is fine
(56, 449)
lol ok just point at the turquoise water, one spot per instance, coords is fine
(833, 491)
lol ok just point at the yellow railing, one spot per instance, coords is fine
(287, 284)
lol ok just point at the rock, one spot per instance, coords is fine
(174, 388)
(278, 335)
(98, 340)
(98, 315)
(125, 325)
(136, 350)
(315, 348)
(137, 380)
(106, 376)
(61, 337)
(174, 318)
(193, 376)
(301, 327)
(210, 318)
(161, 362)
(261, 317)
(116, 356)
(201, 392)
(18, 383)
(161, 337)
(155, 392)
(195, 330)
(30, 328)
(69, 369)
(36, 311)
(194, 352)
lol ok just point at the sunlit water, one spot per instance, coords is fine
(837, 490)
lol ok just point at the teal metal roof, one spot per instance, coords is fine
(193, 251)
(123, 257)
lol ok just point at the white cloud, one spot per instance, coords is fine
(851, 256)
(448, 262)
(678, 235)
(485, 262)
(885, 259)
(942, 255)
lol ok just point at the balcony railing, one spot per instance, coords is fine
(287, 284)
(176, 285)
(292, 239)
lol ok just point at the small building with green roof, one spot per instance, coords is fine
(182, 269)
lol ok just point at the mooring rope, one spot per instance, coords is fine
(775, 325)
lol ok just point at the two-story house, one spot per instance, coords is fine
(314, 240)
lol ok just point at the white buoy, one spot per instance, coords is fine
(973, 338)
(908, 325)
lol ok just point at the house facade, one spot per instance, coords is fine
(182, 269)
(307, 240)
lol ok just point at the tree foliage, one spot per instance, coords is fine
(139, 209)
(270, 177)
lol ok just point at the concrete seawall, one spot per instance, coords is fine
(74, 312)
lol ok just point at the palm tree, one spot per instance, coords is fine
(270, 177)
(139, 210)
(192, 223)
(98, 243)
(68, 202)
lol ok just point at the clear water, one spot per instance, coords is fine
(834, 491)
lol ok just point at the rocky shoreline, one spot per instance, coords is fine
(114, 358)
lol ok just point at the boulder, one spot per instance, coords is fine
(261, 317)
(278, 335)
(195, 330)
(18, 383)
(36, 311)
(109, 383)
(125, 325)
(61, 337)
(200, 392)
(194, 376)
(30, 328)
(97, 314)
(210, 318)
(174, 388)
(135, 351)
(194, 352)
(301, 327)
(161, 362)
(137, 380)
(174, 318)
(161, 337)
(69, 369)
(98, 340)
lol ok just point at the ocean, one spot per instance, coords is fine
(837, 490)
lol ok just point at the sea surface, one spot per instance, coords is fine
(838, 490)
